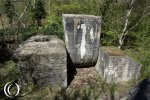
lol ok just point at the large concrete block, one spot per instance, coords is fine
(82, 35)
(115, 67)
(42, 60)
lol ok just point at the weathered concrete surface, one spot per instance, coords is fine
(42, 60)
(115, 67)
(82, 33)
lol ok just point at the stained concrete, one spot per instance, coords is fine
(42, 60)
(82, 38)
(117, 67)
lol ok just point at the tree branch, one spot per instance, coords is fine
(19, 19)
(144, 15)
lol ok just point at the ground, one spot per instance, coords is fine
(83, 76)
(86, 85)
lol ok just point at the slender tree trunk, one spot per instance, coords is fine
(22, 14)
(2, 22)
(124, 31)
(121, 39)
(10, 23)
(49, 6)
(39, 22)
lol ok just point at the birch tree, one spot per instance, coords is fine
(126, 30)
(22, 14)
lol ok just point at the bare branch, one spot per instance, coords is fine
(139, 21)
(143, 16)
(19, 19)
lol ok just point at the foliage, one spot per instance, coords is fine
(8, 72)
(110, 38)
(7, 32)
(141, 53)
(39, 11)
(54, 26)
(76, 7)
(9, 10)
(137, 41)
(25, 33)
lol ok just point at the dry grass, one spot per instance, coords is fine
(113, 51)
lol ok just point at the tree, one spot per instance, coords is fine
(126, 28)
(39, 12)
(22, 14)
(2, 22)
(9, 11)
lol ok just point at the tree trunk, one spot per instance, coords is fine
(49, 6)
(10, 23)
(39, 22)
(124, 31)
(121, 39)
(22, 14)
(2, 22)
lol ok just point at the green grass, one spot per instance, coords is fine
(8, 73)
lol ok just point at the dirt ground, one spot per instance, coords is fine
(83, 76)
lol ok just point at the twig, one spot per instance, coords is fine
(19, 19)
(144, 15)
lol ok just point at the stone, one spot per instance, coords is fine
(42, 60)
(141, 91)
(116, 67)
(82, 38)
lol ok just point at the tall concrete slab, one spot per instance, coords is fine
(82, 38)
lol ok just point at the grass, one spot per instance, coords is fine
(143, 56)
(113, 51)
(8, 73)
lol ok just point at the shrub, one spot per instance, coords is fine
(109, 38)
(54, 26)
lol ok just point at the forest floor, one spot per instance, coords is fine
(86, 85)
(88, 80)
(83, 76)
